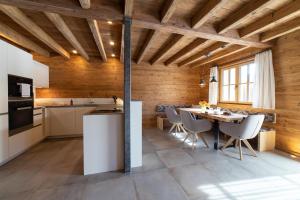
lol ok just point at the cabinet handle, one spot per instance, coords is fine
(25, 108)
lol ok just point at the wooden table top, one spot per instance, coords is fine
(220, 117)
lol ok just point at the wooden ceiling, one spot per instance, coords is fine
(182, 32)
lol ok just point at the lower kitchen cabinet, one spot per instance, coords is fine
(65, 121)
(3, 138)
(22, 141)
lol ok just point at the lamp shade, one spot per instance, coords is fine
(202, 83)
(213, 80)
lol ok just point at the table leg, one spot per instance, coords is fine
(216, 134)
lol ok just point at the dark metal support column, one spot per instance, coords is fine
(127, 92)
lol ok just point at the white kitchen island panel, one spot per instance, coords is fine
(103, 142)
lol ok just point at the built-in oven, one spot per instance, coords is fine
(20, 115)
(20, 104)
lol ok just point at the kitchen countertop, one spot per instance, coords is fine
(101, 111)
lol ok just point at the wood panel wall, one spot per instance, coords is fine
(286, 61)
(152, 84)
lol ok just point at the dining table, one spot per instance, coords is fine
(216, 117)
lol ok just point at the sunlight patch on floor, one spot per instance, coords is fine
(275, 187)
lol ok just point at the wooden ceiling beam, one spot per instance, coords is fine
(168, 10)
(283, 14)
(102, 12)
(199, 55)
(233, 49)
(13, 36)
(198, 20)
(187, 49)
(60, 24)
(197, 33)
(97, 37)
(20, 18)
(283, 29)
(86, 4)
(128, 8)
(205, 12)
(166, 13)
(149, 40)
(167, 48)
(239, 15)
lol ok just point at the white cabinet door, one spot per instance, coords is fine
(3, 78)
(40, 75)
(3, 138)
(79, 112)
(19, 62)
(62, 121)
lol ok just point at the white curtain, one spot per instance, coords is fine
(264, 82)
(213, 87)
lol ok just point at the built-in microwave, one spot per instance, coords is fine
(19, 87)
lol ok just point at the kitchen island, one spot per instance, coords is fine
(103, 139)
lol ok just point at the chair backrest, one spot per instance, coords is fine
(172, 115)
(251, 126)
(187, 119)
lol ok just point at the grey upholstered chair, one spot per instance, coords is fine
(174, 119)
(248, 129)
(194, 127)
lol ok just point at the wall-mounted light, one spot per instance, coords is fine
(202, 83)
(112, 43)
(74, 51)
(109, 22)
(113, 55)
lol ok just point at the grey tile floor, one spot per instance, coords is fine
(171, 170)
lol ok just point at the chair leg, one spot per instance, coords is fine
(249, 147)
(228, 143)
(194, 141)
(236, 143)
(204, 141)
(171, 129)
(240, 148)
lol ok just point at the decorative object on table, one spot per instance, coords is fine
(227, 113)
(204, 105)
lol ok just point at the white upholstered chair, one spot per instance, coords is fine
(248, 129)
(194, 127)
(174, 119)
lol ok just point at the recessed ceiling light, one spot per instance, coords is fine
(112, 43)
(109, 22)
(113, 55)
(74, 51)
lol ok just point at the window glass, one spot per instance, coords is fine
(244, 74)
(232, 76)
(250, 92)
(225, 77)
(251, 72)
(225, 93)
(232, 93)
(243, 93)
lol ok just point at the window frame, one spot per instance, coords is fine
(237, 67)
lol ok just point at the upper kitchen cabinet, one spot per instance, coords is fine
(19, 62)
(3, 78)
(40, 75)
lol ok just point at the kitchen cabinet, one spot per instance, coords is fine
(3, 78)
(65, 121)
(22, 141)
(62, 121)
(40, 75)
(19, 62)
(3, 138)
(79, 112)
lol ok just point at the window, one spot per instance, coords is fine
(236, 85)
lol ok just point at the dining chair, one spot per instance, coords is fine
(247, 129)
(194, 127)
(174, 119)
